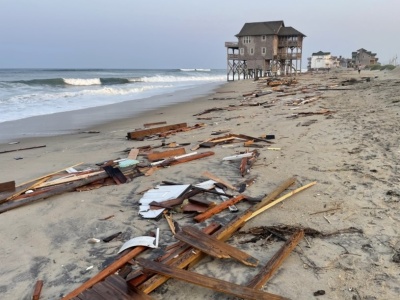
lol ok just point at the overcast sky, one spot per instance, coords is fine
(181, 33)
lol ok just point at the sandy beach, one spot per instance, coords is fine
(345, 137)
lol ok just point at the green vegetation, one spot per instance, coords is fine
(380, 67)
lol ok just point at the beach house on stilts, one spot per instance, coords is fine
(264, 49)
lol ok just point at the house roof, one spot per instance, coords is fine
(320, 53)
(261, 28)
(289, 31)
(268, 28)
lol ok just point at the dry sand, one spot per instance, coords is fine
(353, 154)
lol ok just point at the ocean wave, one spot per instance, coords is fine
(73, 81)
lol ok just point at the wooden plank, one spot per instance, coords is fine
(188, 158)
(8, 186)
(70, 178)
(216, 179)
(190, 258)
(261, 209)
(111, 269)
(139, 134)
(52, 192)
(218, 208)
(132, 292)
(274, 263)
(201, 245)
(133, 154)
(37, 290)
(221, 246)
(20, 149)
(146, 125)
(205, 281)
(160, 155)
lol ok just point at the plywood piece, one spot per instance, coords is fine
(139, 134)
(205, 281)
(133, 154)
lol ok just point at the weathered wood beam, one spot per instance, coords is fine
(276, 261)
(139, 134)
(8, 186)
(205, 281)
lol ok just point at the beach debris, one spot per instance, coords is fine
(90, 131)
(219, 180)
(147, 241)
(205, 281)
(37, 290)
(319, 293)
(111, 237)
(232, 208)
(93, 241)
(212, 246)
(159, 194)
(21, 149)
(116, 174)
(8, 186)
(274, 263)
(218, 208)
(153, 156)
(141, 134)
(13, 143)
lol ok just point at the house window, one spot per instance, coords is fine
(241, 50)
(263, 50)
(263, 37)
(246, 40)
(251, 50)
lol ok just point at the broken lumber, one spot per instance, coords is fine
(219, 180)
(205, 281)
(160, 155)
(191, 257)
(55, 191)
(8, 186)
(218, 208)
(37, 290)
(111, 269)
(274, 263)
(263, 208)
(221, 247)
(139, 134)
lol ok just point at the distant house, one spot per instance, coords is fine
(264, 48)
(323, 61)
(362, 57)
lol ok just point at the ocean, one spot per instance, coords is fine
(28, 93)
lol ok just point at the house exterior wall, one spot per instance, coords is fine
(251, 47)
(321, 62)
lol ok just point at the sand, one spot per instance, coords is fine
(352, 153)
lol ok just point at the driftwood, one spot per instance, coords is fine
(20, 149)
(37, 290)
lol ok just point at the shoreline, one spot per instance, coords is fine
(70, 122)
(346, 139)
